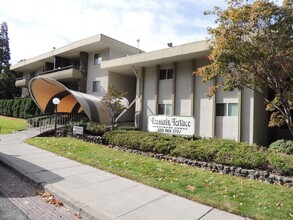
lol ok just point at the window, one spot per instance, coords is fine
(165, 109)
(227, 109)
(97, 86)
(166, 74)
(232, 109)
(220, 109)
(97, 59)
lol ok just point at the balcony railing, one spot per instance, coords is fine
(68, 73)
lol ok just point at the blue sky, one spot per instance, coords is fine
(36, 26)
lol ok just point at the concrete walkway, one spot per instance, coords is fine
(94, 193)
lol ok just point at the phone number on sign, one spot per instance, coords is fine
(168, 130)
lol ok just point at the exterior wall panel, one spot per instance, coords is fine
(95, 73)
(247, 115)
(183, 88)
(149, 102)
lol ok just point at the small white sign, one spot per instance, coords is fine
(175, 125)
(77, 130)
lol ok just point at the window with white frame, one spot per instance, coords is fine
(227, 109)
(97, 59)
(165, 109)
(97, 86)
(166, 73)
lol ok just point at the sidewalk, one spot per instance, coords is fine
(97, 194)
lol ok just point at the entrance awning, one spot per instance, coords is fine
(43, 90)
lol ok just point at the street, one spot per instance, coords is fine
(21, 201)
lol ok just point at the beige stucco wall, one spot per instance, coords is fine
(149, 101)
(183, 88)
(95, 73)
(247, 115)
(203, 105)
(227, 126)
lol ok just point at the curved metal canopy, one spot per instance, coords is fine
(44, 89)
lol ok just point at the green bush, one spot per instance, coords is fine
(152, 142)
(282, 146)
(21, 108)
(91, 128)
(128, 128)
(226, 152)
(281, 163)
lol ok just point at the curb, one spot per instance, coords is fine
(72, 204)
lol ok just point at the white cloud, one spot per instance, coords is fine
(35, 26)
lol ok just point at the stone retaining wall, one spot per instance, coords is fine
(260, 175)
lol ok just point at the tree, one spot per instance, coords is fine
(4, 48)
(7, 78)
(252, 47)
(112, 104)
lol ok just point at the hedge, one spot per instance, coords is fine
(282, 146)
(18, 108)
(150, 142)
(222, 151)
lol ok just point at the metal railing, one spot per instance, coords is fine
(46, 122)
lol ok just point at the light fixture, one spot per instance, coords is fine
(56, 101)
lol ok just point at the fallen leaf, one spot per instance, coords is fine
(189, 187)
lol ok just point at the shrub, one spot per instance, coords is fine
(153, 142)
(128, 128)
(281, 163)
(226, 152)
(92, 128)
(282, 146)
(18, 107)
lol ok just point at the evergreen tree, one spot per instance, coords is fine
(4, 48)
(7, 78)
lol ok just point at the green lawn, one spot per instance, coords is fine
(8, 125)
(237, 195)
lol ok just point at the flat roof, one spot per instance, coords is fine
(72, 50)
(145, 59)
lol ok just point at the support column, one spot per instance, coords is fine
(192, 92)
(174, 89)
(239, 114)
(158, 67)
(82, 83)
(139, 93)
(214, 112)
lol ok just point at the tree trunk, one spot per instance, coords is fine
(288, 115)
(290, 123)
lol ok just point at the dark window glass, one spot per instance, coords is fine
(169, 73)
(161, 109)
(221, 109)
(163, 74)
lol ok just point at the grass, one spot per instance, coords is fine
(244, 197)
(9, 125)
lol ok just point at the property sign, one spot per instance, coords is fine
(77, 130)
(175, 125)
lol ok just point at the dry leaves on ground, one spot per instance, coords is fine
(49, 198)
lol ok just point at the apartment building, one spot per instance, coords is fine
(165, 93)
